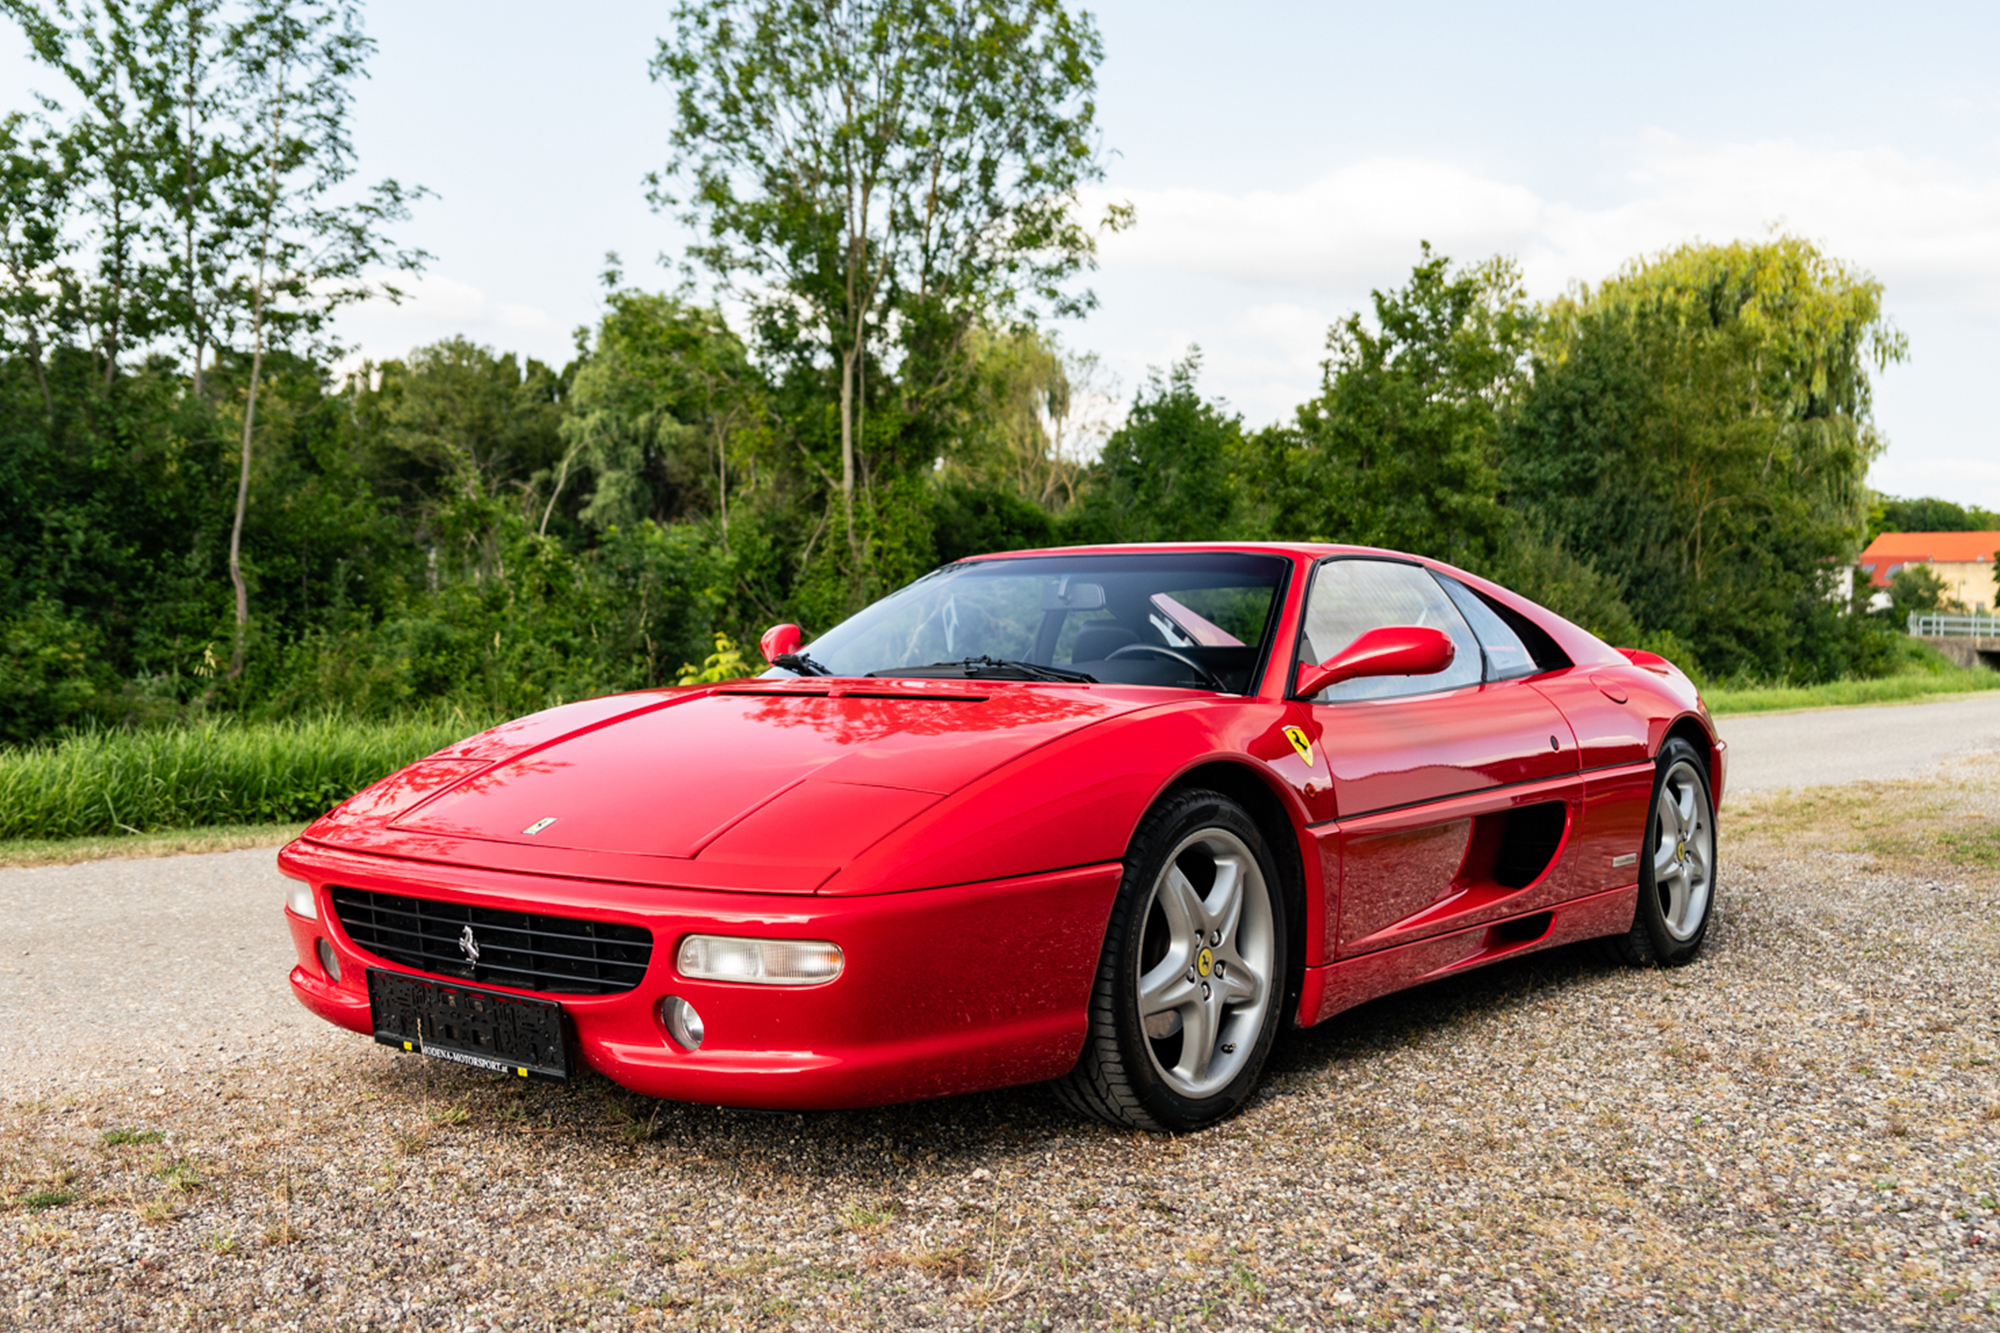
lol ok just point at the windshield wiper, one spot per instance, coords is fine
(984, 666)
(800, 663)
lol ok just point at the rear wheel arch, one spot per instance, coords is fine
(1690, 729)
(1254, 792)
(1677, 888)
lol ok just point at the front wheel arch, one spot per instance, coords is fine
(1253, 792)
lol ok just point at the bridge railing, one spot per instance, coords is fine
(1936, 625)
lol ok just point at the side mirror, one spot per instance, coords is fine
(779, 641)
(1389, 650)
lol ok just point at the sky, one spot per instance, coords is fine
(1285, 159)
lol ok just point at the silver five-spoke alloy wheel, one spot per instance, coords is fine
(1207, 962)
(1683, 851)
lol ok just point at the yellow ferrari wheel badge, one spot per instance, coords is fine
(1300, 742)
(1205, 962)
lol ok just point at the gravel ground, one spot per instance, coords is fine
(1802, 1130)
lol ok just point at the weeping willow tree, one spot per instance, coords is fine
(1700, 428)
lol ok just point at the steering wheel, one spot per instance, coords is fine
(1182, 658)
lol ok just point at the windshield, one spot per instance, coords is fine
(1195, 619)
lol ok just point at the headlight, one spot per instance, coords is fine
(764, 962)
(299, 898)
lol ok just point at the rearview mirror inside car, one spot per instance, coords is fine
(1066, 594)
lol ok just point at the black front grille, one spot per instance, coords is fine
(558, 954)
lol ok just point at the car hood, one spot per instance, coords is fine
(763, 786)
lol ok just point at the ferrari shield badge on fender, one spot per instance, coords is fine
(1300, 742)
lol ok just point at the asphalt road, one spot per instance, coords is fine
(158, 967)
(148, 968)
(1836, 746)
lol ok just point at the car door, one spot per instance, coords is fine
(1452, 792)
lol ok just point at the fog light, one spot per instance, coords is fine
(764, 962)
(299, 897)
(327, 962)
(683, 1023)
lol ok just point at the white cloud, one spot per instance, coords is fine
(1937, 476)
(1928, 229)
(1335, 234)
(1924, 226)
(1256, 277)
(435, 306)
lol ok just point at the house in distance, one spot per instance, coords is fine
(1963, 560)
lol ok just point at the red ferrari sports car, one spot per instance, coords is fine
(1107, 816)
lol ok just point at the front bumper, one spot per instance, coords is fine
(944, 991)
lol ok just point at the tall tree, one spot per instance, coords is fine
(879, 177)
(193, 160)
(1037, 414)
(457, 433)
(1702, 425)
(37, 288)
(1166, 473)
(307, 254)
(102, 54)
(1397, 449)
(664, 401)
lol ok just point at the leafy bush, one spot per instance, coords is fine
(52, 671)
(550, 626)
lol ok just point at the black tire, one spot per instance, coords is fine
(1666, 933)
(1161, 1082)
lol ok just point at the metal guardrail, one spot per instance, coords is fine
(1938, 626)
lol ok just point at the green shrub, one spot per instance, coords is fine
(52, 671)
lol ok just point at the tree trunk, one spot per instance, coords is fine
(115, 329)
(722, 482)
(243, 501)
(847, 361)
(187, 195)
(256, 375)
(42, 377)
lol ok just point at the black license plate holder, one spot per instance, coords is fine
(469, 1025)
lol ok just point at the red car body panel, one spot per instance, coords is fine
(961, 841)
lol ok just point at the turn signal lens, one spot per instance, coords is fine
(683, 1023)
(764, 962)
(299, 898)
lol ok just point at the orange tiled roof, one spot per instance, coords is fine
(1902, 548)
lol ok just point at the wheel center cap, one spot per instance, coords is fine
(1681, 852)
(1204, 962)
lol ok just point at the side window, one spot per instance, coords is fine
(1507, 658)
(1352, 596)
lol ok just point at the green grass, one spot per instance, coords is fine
(114, 1137)
(1903, 688)
(219, 777)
